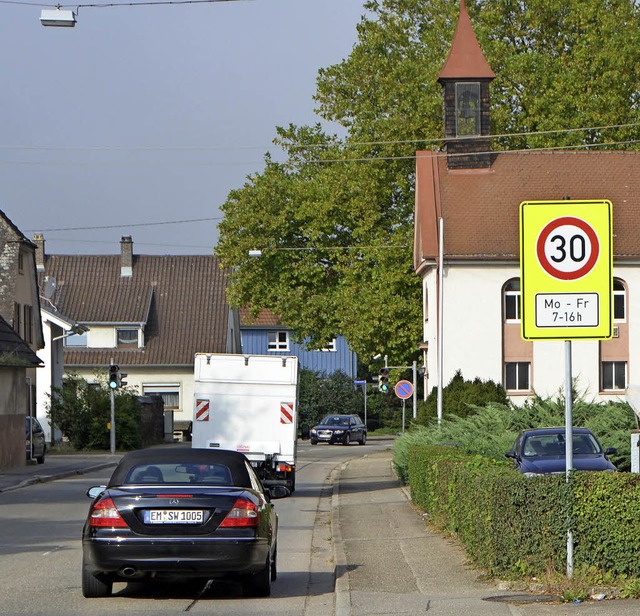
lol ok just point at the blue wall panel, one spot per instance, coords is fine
(255, 342)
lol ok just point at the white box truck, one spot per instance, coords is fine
(249, 403)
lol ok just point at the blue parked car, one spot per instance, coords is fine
(541, 451)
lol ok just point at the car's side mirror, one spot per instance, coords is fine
(95, 491)
(278, 492)
(610, 451)
(511, 454)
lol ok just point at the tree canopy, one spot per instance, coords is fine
(333, 216)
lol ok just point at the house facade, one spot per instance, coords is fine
(22, 337)
(147, 314)
(466, 246)
(266, 335)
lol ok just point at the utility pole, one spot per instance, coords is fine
(113, 413)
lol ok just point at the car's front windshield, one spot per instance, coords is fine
(335, 420)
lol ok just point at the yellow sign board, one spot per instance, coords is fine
(566, 270)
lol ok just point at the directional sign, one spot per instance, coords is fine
(566, 270)
(404, 389)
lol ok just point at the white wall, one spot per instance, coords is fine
(473, 332)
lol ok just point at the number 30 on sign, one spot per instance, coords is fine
(566, 269)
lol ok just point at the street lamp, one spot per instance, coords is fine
(58, 18)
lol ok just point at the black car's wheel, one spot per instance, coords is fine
(40, 459)
(314, 441)
(259, 584)
(92, 587)
(347, 439)
(363, 440)
(274, 565)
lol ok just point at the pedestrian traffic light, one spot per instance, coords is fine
(113, 376)
(383, 380)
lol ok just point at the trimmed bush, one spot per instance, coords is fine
(512, 525)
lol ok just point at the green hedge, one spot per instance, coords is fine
(513, 525)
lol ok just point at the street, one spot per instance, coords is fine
(40, 551)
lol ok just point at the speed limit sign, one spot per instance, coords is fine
(566, 269)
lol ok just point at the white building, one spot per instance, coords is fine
(467, 246)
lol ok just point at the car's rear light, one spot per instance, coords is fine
(244, 513)
(283, 467)
(104, 513)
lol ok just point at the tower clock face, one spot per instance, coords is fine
(467, 109)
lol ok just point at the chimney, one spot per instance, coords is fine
(38, 240)
(126, 257)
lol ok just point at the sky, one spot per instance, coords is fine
(151, 114)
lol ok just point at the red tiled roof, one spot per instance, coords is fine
(265, 318)
(480, 207)
(180, 299)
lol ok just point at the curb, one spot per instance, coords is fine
(342, 582)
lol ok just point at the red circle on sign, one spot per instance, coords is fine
(404, 389)
(543, 259)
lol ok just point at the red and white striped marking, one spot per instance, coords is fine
(202, 410)
(286, 412)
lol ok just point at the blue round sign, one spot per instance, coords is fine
(404, 389)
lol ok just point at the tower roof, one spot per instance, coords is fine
(465, 59)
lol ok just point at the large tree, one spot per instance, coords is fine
(334, 221)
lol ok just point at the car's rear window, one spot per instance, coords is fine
(554, 445)
(157, 474)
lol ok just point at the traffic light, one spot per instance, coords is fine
(121, 377)
(114, 379)
(383, 380)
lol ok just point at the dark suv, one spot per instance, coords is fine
(339, 429)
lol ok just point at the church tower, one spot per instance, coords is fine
(465, 77)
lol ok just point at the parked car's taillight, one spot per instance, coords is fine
(104, 513)
(244, 513)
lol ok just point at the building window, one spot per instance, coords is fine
(20, 263)
(278, 341)
(467, 109)
(127, 337)
(331, 347)
(16, 318)
(76, 340)
(614, 375)
(169, 393)
(512, 301)
(619, 301)
(516, 376)
(28, 324)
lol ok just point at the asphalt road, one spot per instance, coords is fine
(40, 549)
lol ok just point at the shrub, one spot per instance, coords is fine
(82, 412)
(460, 397)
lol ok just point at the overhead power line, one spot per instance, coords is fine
(125, 226)
(194, 148)
(115, 4)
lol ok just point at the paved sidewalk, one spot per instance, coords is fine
(389, 562)
(56, 466)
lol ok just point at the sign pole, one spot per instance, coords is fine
(566, 277)
(568, 442)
